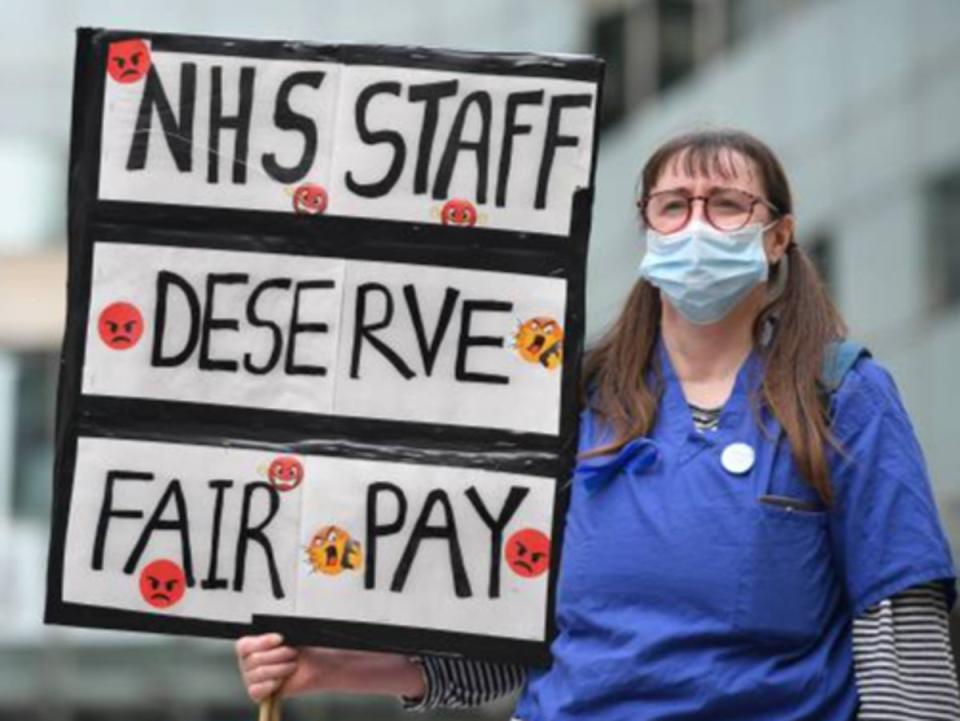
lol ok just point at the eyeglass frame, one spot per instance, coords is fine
(754, 200)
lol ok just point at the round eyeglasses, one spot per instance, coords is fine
(727, 209)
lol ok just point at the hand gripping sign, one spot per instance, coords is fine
(325, 320)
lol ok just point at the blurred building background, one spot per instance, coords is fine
(860, 98)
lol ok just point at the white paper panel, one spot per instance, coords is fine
(428, 598)
(340, 120)
(528, 400)
(331, 492)
(161, 181)
(194, 467)
(128, 273)
(368, 163)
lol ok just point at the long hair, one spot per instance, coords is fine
(806, 320)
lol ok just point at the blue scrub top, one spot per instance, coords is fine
(683, 596)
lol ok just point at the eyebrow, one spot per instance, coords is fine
(709, 189)
(694, 161)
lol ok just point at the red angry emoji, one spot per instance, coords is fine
(285, 473)
(120, 325)
(128, 60)
(162, 583)
(458, 212)
(309, 199)
(528, 552)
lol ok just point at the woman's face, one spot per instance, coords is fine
(737, 172)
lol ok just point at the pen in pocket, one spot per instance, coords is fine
(790, 504)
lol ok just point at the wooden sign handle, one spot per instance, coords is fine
(270, 708)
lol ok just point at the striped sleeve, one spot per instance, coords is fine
(902, 658)
(458, 683)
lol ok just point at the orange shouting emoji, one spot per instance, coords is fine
(540, 340)
(332, 551)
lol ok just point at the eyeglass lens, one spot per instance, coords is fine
(669, 211)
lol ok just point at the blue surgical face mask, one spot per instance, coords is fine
(705, 272)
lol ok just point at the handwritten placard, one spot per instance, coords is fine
(323, 338)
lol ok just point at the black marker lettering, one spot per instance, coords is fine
(255, 320)
(376, 529)
(429, 350)
(165, 279)
(364, 331)
(107, 511)
(496, 526)
(456, 144)
(156, 523)
(467, 341)
(446, 531)
(285, 119)
(211, 581)
(210, 323)
(255, 533)
(297, 327)
(554, 140)
(178, 133)
(430, 94)
(240, 123)
(510, 130)
(393, 138)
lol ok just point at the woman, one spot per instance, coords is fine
(751, 533)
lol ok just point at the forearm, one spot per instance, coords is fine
(366, 672)
(267, 666)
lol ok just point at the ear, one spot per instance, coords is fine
(776, 240)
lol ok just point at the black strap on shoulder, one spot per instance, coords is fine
(838, 358)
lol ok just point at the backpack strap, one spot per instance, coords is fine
(838, 358)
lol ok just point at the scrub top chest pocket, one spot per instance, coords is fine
(788, 589)
(787, 584)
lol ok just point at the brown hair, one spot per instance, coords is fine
(805, 318)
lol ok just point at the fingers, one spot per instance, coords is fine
(260, 691)
(283, 654)
(277, 673)
(265, 664)
(265, 680)
(252, 644)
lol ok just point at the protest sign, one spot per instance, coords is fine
(323, 336)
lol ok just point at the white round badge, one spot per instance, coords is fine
(738, 458)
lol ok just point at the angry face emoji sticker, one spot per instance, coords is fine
(458, 212)
(162, 583)
(120, 325)
(528, 553)
(331, 551)
(285, 473)
(128, 60)
(540, 340)
(309, 199)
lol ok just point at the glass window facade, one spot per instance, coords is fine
(942, 200)
(36, 390)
